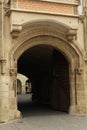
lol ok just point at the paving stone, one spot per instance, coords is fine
(45, 119)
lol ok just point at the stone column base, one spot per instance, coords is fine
(10, 116)
(8, 100)
(18, 115)
(78, 110)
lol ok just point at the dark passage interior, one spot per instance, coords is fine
(48, 72)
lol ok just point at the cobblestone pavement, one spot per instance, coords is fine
(44, 118)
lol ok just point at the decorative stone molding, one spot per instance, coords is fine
(7, 1)
(13, 72)
(61, 1)
(79, 71)
(85, 57)
(1, 1)
(15, 30)
(2, 65)
(71, 34)
(85, 61)
(7, 9)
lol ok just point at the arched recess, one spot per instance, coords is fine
(52, 34)
(46, 28)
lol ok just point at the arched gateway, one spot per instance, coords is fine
(67, 62)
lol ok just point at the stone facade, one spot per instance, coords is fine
(25, 24)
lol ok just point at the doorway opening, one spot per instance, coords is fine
(48, 72)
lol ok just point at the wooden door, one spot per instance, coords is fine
(60, 99)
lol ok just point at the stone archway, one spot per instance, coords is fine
(62, 38)
(48, 71)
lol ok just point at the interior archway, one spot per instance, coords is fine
(19, 87)
(48, 71)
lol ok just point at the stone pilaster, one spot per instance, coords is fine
(79, 102)
(4, 92)
(4, 98)
(86, 81)
(14, 113)
(4, 80)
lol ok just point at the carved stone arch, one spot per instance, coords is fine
(48, 28)
(66, 50)
(75, 58)
(43, 27)
(37, 28)
(60, 37)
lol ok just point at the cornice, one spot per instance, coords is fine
(76, 2)
(43, 12)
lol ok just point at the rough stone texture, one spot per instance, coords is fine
(25, 29)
